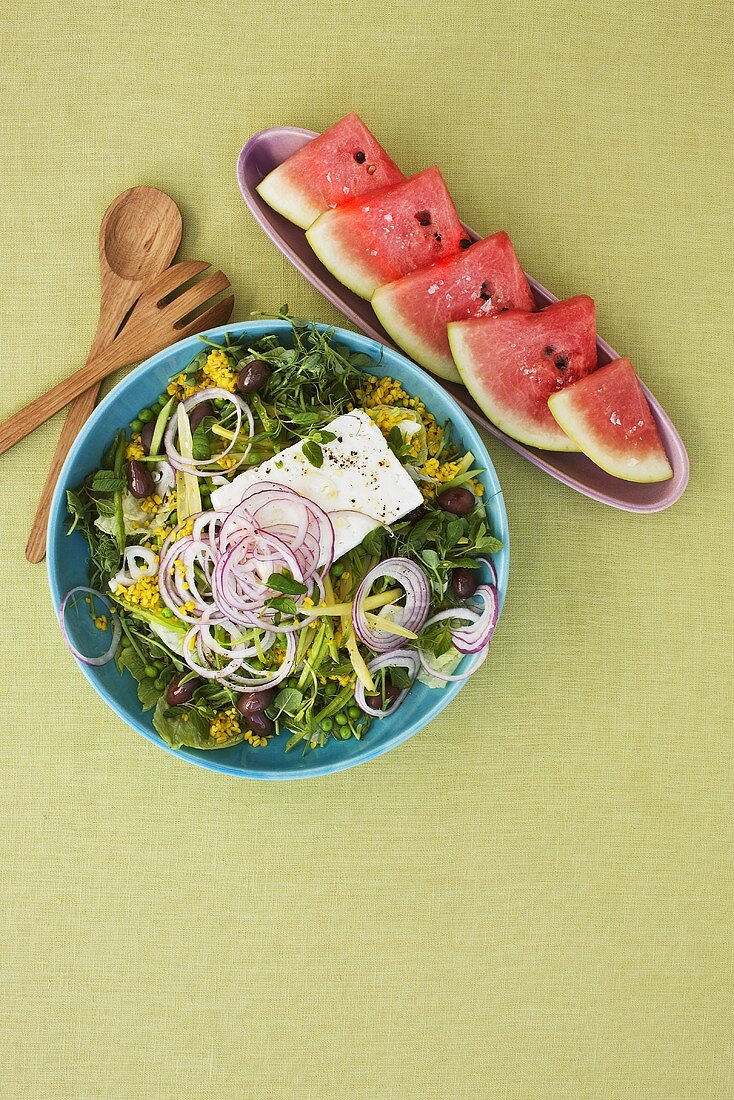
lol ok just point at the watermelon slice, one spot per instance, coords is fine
(344, 162)
(372, 241)
(609, 418)
(513, 362)
(478, 281)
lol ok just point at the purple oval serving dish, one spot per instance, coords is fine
(269, 148)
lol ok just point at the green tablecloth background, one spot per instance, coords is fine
(533, 898)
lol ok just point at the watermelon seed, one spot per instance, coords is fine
(548, 350)
(438, 237)
(423, 217)
(371, 169)
(485, 292)
(464, 242)
(561, 362)
(360, 157)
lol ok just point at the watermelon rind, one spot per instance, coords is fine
(394, 323)
(628, 467)
(278, 191)
(324, 238)
(549, 439)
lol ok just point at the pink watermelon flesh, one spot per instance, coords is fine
(608, 416)
(344, 162)
(513, 362)
(377, 239)
(478, 281)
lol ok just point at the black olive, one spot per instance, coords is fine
(139, 479)
(260, 723)
(253, 702)
(416, 514)
(198, 413)
(458, 501)
(253, 376)
(376, 701)
(178, 693)
(464, 582)
(146, 435)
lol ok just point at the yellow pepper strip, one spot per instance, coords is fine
(187, 485)
(369, 604)
(388, 625)
(358, 662)
(224, 433)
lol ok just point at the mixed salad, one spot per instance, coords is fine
(283, 541)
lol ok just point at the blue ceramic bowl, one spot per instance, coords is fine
(67, 558)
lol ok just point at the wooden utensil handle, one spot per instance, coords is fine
(79, 412)
(25, 421)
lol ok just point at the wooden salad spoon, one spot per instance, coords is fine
(138, 238)
(165, 313)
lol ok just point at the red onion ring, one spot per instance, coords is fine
(130, 572)
(203, 467)
(109, 653)
(398, 658)
(413, 614)
(473, 638)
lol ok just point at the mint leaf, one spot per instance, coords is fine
(288, 700)
(181, 728)
(286, 604)
(202, 444)
(312, 451)
(105, 481)
(281, 582)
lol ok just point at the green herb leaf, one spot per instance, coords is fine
(373, 543)
(286, 604)
(105, 506)
(323, 437)
(106, 481)
(148, 693)
(281, 582)
(202, 442)
(288, 701)
(312, 451)
(185, 728)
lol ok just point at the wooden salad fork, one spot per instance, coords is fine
(162, 315)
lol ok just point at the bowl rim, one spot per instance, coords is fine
(367, 345)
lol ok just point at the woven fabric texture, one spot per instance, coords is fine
(532, 899)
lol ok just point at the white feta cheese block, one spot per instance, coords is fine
(360, 485)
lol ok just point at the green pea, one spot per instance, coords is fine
(337, 569)
(219, 402)
(330, 688)
(326, 724)
(167, 613)
(145, 415)
(161, 402)
(136, 426)
(341, 719)
(345, 733)
(354, 711)
(151, 672)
